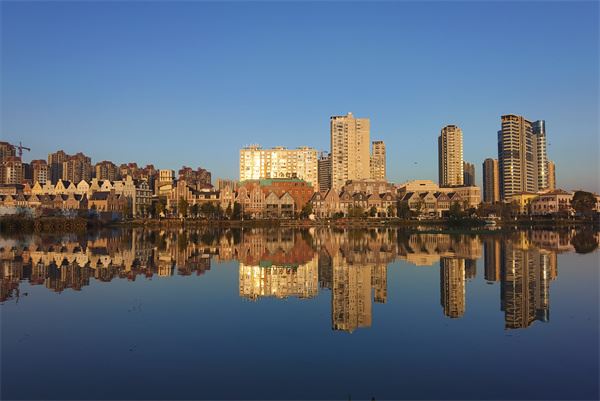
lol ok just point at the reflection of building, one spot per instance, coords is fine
(452, 286)
(285, 262)
(491, 251)
(526, 275)
(268, 280)
(351, 297)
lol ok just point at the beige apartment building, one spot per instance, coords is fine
(350, 153)
(378, 162)
(257, 163)
(491, 181)
(450, 155)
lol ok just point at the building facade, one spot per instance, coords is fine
(450, 156)
(11, 170)
(378, 161)
(522, 156)
(491, 181)
(324, 167)
(350, 155)
(257, 163)
(76, 168)
(55, 165)
(468, 174)
(39, 171)
(107, 170)
(551, 175)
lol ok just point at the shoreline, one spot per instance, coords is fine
(18, 224)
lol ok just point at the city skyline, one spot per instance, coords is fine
(188, 99)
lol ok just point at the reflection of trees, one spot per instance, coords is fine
(584, 241)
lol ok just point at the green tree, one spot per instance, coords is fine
(208, 210)
(373, 211)
(403, 210)
(127, 210)
(182, 207)
(583, 203)
(229, 210)
(306, 211)
(456, 211)
(236, 214)
(356, 211)
(390, 211)
(194, 210)
(584, 241)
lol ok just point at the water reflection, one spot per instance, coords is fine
(352, 265)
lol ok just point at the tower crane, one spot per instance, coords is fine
(21, 148)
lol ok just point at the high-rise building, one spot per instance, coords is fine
(55, 165)
(76, 168)
(257, 163)
(551, 175)
(11, 170)
(522, 156)
(6, 149)
(450, 156)
(40, 172)
(107, 170)
(378, 162)
(324, 171)
(541, 156)
(350, 156)
(468, 174)
(491, 181)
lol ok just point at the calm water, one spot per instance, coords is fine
(312, 314)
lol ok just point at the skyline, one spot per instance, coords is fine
(68, 81)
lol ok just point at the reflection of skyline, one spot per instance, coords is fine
(284, 263)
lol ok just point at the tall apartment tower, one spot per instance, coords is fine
(55, 165)
(378, 163)
(522, 156)
(11, 170)
(551, 175)
(350, 156)
(491, 181)
(468, 174)
(539, 131)
(450, 156)
(40, 172)
(76, 168)
(324, 172)
(6, 150)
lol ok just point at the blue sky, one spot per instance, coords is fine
(192, 82)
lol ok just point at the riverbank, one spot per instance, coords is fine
(78, 224)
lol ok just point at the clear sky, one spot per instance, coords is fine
(175, 83)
